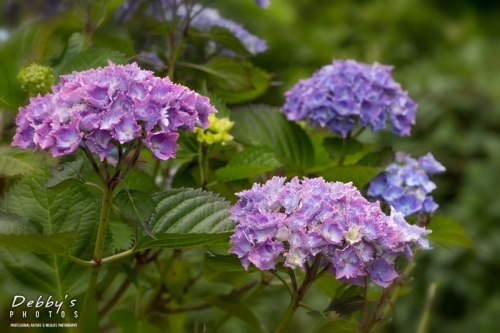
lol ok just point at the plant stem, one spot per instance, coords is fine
(422, 326)
(88, 319)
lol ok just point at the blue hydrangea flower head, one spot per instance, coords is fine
(291, 223)
(405, 184)
(346, 93)
(104, 107)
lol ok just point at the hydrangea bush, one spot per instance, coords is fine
(135, 192)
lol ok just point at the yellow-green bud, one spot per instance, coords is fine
(36, 78)
(217, 132)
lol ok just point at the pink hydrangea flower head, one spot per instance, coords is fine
(106, 107)
(291, 223)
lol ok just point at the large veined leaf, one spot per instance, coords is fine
(266, 126)
(16, 162)
(260, 81)
(250, 162)
(57, 212)
(187, 218)
(228, 74)
(190, 211)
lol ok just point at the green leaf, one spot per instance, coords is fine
(91, 58)
(228, 74)
(260, 81)
(68, 211)
(11, 224)
(179, 241)
(140, 180)
(337, 147)
(16, 162)
(345, 306)
(359, 175)
(136, 205)
(380, 158)
(190, 211)
(328, 284)
(11, 94)
(58, 244)
(122, 235)
(226, 263)
(262, 125)
(66, 175)
(226, 38)
(235, 308)
(446, 231)
(250, 162)
(115, 38)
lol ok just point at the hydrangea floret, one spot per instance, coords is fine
(346, 93)
(217, 131)
(36, 78)
(104, 108)
(296, 221)
(405, 184)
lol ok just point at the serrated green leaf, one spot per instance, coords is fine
(338, 147)
(359, 175)
(446, 231)
(262, 125)
(179, 241)
(190, 211)
(345, 306)
(58, 244)
(235, 308)
(72, 210)
(250, 162)
(11, 224)
(66, 175)
(91, 58)
(16, 162)
(122, 235)
(136, 205)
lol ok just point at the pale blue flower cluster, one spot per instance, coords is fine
(405, 184)
(294, 222)
(104, 107)
(346, 93)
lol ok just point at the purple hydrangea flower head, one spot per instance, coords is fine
(346, 93)
(106, 107)
(293, 222)
(262, 3)
(405, 184)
